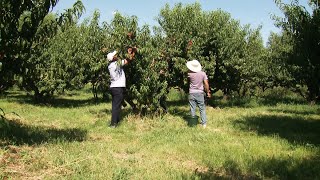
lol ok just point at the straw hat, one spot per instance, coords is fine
(194, 65)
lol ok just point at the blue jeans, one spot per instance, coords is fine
(197, 99)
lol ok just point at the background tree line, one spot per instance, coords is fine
(46, 53)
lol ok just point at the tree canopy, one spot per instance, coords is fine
(47, 53)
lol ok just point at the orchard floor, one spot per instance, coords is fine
(69, 139)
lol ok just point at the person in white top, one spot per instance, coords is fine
(118, 82)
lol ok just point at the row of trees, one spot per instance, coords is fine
(27, 28)
(49, 53)
(298, 47)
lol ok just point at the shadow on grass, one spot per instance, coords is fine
(176, 110)
(101, 114)
(288, 168)
(253, 101)
(70, 103)
(13, 132)
(175, 103)
(295, 129)
(272, 101)
(230, 170)
(266, 168)
(52, 102)
(296, 112)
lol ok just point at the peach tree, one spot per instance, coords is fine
(146, 75)
(301, 32)
(220, 43)
(19, 21)
(54, 55)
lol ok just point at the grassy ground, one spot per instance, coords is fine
(244, 139)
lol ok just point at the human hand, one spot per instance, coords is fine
(131, 52)
(208, 94)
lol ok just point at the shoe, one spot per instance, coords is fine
(204, 126)
(112, 126)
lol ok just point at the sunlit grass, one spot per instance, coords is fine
(69, 139)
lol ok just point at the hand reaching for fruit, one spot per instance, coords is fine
(132, 52)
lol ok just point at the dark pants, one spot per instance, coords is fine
(117, 98)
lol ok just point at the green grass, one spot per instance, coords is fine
(68, 138)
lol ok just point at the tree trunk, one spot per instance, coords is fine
(313, 92)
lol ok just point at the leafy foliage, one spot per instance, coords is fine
(49, 53)
(224, 48)
(19, 21)
(146, 78)
(302, 27)
(42, 72)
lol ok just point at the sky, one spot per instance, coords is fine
(253, 12)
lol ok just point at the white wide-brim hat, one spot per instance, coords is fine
(111, 55)
(194, 66)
